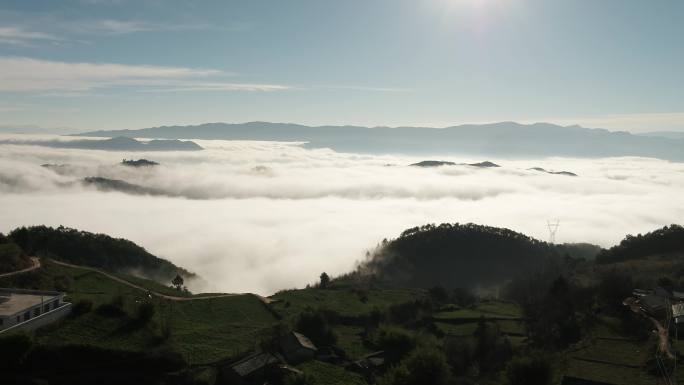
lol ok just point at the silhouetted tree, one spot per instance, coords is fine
(178, 282)
(325, 280)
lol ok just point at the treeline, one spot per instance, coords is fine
(459, 255)
(12, 257)
(669, 239)
(95, 250)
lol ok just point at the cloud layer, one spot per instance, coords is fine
(263, 216)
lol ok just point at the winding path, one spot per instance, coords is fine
(35, 264)
(155, 293)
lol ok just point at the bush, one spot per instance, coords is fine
(112, 309)
(81, 307)
(315, 326)
(534, 369)
(63, 283)
(460, 354)
(396, 342)
(145, 312)
(425, 366)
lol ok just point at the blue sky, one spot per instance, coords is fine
(99, 64)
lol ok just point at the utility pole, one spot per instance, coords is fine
(553, 229)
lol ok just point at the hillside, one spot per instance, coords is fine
(458, 255)
(504, 139)
(12, 257)
(667, 240)
(95, 250)
(545, 322)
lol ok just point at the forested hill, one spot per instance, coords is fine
(12, 257)
(668, 240)
(95, 250)
(461, 255)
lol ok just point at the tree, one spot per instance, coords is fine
(325, 280)
(178, 282)
(425, 366)
(314, 324)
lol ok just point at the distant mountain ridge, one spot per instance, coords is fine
(119, 143)
(508, 139)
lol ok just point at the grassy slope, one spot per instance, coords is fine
(328, 374)
(345, 302)
(617, 354)
(489, 309)
(203, 330)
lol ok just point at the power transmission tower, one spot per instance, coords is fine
(553, 229)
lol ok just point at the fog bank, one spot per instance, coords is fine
(263, 216)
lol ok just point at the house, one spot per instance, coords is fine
(252, 369)
(297, 348)
(368, 364)
(654, 305)
(30, 309)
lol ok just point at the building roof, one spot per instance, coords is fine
(678, 310)
(251, 364)
(17, 303)
(304, 341)
(653, 302)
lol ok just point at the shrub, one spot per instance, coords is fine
(63, 283)
(396, 342)
(314, 325)
(534, 369)
(81, 307)
(425, 366)
(145, 312)
(460, 354)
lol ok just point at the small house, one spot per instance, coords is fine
(654, 305)
(251, 369)
(297, 348)
(368, 364)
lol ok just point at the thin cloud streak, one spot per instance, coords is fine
(23, 36)
(27, 75)
(124, 27)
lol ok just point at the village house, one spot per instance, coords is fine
(297, 348)
(251, 369)
(30, 309)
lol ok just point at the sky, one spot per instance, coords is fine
(265, 216)
(114, 64)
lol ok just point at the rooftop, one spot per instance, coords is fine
(17, 303)
(253, 363)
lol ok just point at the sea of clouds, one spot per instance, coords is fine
(263, 216)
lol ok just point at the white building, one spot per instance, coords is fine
(30, 309)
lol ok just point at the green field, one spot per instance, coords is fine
(350, 340)
(610, 357)
(342, 301)
(203, 331)
(488, 309)
(328, 374)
